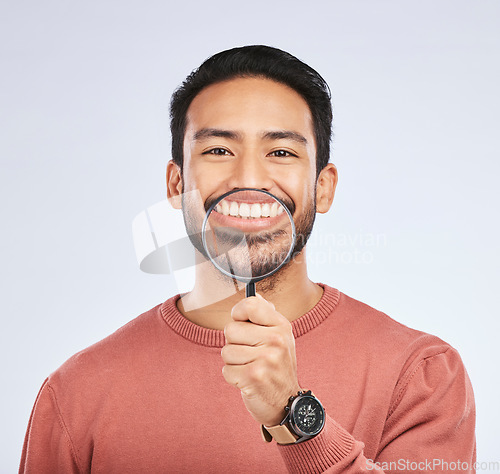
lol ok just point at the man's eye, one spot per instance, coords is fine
(216, 151)
(281, 154)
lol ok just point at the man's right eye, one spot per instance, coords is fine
(216, 151)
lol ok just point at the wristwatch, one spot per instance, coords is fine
(304, 419)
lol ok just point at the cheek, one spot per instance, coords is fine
(202, 177)
(203, 174)
(299, 186)
(194, 176)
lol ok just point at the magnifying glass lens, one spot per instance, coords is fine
(248, 234)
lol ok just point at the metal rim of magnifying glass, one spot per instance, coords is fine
(224, 271)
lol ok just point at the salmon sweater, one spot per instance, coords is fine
(151, 398)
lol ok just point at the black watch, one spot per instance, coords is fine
(305, 418)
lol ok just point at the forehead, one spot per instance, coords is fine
(251, 105)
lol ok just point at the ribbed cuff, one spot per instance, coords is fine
(332, 445)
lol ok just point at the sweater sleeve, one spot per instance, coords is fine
(47, 446)
(430, 426)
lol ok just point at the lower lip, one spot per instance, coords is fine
(247, 225)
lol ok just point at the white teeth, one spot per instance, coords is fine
(255, 210)
(247, 210)
(233, 209)
(225, 208)
(244, 210)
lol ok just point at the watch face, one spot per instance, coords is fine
(308, 415)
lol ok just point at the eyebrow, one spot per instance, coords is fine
(285, 135)
(232, 135)
(217, 133)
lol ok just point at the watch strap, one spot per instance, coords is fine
(280, 433)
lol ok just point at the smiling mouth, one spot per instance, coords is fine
(249, 210)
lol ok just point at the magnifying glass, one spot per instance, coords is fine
(248, 234)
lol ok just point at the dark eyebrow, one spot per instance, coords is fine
(216, 132)
(232, 135)
(285, 135)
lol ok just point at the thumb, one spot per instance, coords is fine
(258, 295)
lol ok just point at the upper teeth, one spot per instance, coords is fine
(249, 210)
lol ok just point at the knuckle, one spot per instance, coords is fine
(228, 375)
(229, 330)
(276, 339)
(257, 373)
(225, 352)
(273, 358)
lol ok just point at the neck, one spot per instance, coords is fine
(210, 302)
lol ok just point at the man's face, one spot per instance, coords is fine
(250, 133)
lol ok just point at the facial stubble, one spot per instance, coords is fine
(303, 224)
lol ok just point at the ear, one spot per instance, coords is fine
(325, 188)
(174, 184)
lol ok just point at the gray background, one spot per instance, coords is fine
(84, 144)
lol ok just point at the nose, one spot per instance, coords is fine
(251, 171)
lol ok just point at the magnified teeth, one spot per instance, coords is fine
(233, 209)
(244, 210)
(255, 211)
(225, 208)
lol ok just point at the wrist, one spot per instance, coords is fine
(280, 412)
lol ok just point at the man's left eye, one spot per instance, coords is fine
(281, 153)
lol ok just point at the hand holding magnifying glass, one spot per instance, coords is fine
(248, 235)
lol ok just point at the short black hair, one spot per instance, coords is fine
(256, 61)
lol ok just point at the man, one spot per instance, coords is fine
(197, 385)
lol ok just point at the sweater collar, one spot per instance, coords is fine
(215, 337)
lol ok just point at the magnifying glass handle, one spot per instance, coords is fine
(250, 289)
